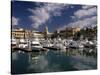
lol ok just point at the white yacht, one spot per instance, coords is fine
(35, 44)
(23, 43)
(47, 43)
(59, 44)
(75, 44)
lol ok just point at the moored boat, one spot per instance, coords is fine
(23, 43)
(36, 46)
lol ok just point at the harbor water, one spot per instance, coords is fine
(52, 61)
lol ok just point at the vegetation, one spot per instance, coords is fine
(89, 33)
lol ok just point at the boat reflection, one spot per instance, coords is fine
(83, 52)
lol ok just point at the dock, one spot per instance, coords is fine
(52, 48)
(27, 50)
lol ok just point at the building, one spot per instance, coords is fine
(39, 35)
(67, 33)
(21, 33)
(27, 34)
(18, 33)
(70, 32)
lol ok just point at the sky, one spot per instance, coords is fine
(56, 16)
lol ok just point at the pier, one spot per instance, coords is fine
(27, 49)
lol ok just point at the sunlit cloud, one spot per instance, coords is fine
(42, 14)
(14, 21)
(82, 13)
(85, 17)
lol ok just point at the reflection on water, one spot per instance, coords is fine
(53, 61)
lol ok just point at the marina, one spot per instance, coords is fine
(52, 55)
(57, 44)
(53, 37)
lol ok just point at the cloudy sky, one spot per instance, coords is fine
(37, 15)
